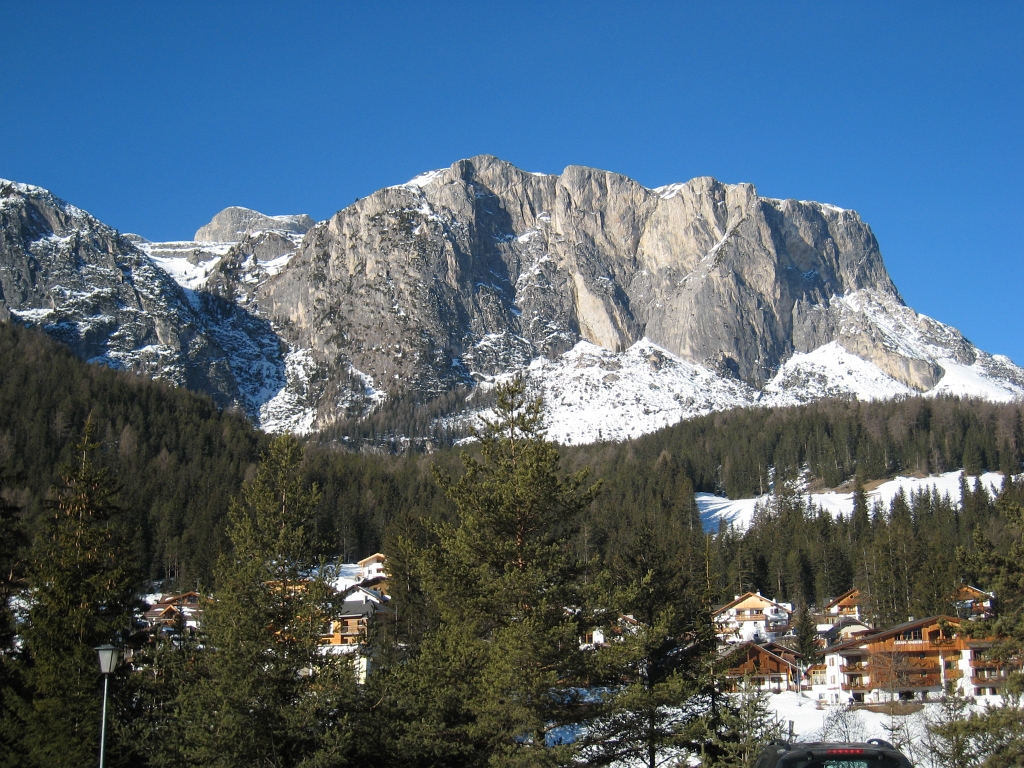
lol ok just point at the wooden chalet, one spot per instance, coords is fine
(625, 624)
(351, 624)
(373, 567)
(973, 604)
(843, 630)
(765, 667)
(172, 612)
(751, 618)
(919, 659)
(848, 605)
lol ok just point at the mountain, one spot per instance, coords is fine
(101, 294)
(629, 308)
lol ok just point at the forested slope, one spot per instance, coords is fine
(179, 460)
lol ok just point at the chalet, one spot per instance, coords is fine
(915, 660)
(372, 567)
(602, 636)
(848, 605)
(751, 618)
(973, 604)
(843, 630)
(765, 667)
(349, 628)
(174, 612)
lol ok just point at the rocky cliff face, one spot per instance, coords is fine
(481, 267)
(96, 291)
(629, 308)
(234, 223)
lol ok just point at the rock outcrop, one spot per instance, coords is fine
(97, 292)
(629, 307)
(232, 224)
(471, 268)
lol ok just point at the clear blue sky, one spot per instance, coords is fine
(154, 116)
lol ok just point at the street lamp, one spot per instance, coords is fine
(108, 660)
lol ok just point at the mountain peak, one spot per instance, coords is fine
(234, 222)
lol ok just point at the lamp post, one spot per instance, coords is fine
(108, 660)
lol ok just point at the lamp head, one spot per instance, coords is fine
(108, 658)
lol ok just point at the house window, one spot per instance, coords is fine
(912, 634)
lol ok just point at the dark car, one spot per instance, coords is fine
(874, 753)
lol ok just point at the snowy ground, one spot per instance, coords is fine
(714, 509)
(808, 721)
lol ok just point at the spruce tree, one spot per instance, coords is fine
(662, 698)
(501, 669)
(82, 585)
(268, 695)
(747, 726)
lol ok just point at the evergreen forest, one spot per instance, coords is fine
(502, 556)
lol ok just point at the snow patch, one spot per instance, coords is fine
(423, 179)
(739, 512)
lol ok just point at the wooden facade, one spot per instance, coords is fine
(765, 667)
(917, 660)
(848, 605)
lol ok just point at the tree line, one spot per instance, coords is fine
(481, 663)
(178, 461)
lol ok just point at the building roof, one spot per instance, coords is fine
(747, 647)
(836, 629)
(754, 599)
(376, 557)
(967, 592)
(849, 597)
(885, 634)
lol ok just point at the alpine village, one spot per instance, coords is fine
(468, 476)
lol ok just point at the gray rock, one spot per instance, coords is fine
(410, 283)
(234, 223)
(94, 290)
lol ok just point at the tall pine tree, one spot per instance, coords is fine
(269, 695)
(82, 585)
(501, 668)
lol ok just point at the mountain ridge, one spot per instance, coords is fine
(479, 271)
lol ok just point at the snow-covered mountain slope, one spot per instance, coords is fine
(593, 394)
(739, 512)
(628, 309)
(100, 293)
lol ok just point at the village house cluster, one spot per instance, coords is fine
(919, 659)
(857, 662)
(361, 589)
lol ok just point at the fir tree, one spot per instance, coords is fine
(13, 542)
(501, 669)
(269, 695)
(82, 584)
(747, 726)
(806, 636)
(663, 688)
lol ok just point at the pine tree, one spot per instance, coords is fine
(501, 669)
(806, 636)
(82, 584)
(747, 726)
(663, 696)
(268, 694)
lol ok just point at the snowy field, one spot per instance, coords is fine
(715, 509)
(809, 722)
